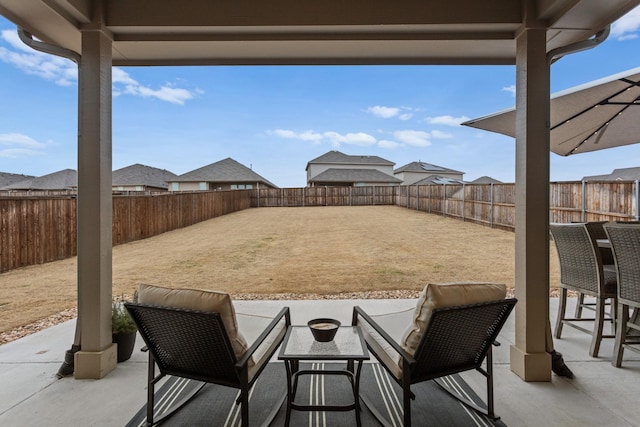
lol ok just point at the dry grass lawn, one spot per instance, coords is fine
(315, 250)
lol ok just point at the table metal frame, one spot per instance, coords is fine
(292, 365)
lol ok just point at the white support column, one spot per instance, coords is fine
(97, 356)
(529, 358)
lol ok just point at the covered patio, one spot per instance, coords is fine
(529, 34)
(599, 394)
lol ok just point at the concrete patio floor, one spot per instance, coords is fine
(600, 395)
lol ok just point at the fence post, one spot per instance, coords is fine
(491, 213)
(429, 197)
(637, 216)
(463, 194)
(444, 199)
(417, 197)
(584, 201)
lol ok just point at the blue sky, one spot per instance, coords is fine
(276, 119)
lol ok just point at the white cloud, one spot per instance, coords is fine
(304, 136)
(441, 135)
(415, 138)
(511, 89)
(64, 72)
(15, 153)
(359, 138)
(384, 143)
(447, 120)
(384, 112)
(20, 140)
(336, 139)
(19, 145)
(626, 27)
(390, 112)
(59, 70)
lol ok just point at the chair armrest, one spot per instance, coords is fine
(284, 313)
(358, 311)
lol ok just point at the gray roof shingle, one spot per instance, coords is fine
(622, 174)
(11, 178)
(227, 170)
(65, 179)
(437, 179)
(147, 176)
(486, 180)
(354, 175)
(336, 157)
(425, 168)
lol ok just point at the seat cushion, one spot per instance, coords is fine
(201, 300)
(446, 295)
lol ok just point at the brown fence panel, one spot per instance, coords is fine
(565, 202)
(35, 229)
(611, 201)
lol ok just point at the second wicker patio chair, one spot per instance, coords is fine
(582, 271)
(451, 330)
(625, 242)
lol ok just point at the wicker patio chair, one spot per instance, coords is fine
(625, 242)
(441, 338)
(581, 270)
(596, 231)
(202, 345)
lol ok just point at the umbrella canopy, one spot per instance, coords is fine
(601, 114)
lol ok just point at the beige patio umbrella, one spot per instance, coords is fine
(601, 114)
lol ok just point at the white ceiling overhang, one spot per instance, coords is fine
(201, 32)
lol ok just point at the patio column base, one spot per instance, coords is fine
(531, 366)
(95, 364)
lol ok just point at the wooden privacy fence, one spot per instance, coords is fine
(323, 196)
(35, 230)
(492, 205)
(39, 230)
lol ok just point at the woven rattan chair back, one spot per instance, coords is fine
(187, 343)
(597, 232)
(580, 264)
(625, 242)
(457, 339)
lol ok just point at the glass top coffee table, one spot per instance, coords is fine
(299, 345)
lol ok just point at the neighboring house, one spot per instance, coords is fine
(66, 179)
(338, 169)
(139, 177)
(623, 174)
(226, 174)
(485, 180)
(414, 172)
(11, 178)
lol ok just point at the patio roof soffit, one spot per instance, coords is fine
(165, 32)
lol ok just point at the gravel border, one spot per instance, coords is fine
(23, 331)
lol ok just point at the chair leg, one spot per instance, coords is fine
(621, 335)
(596, 338)
(406, 401)
(562, 308)
(579, 305)
(406, 394)
(244, 407)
